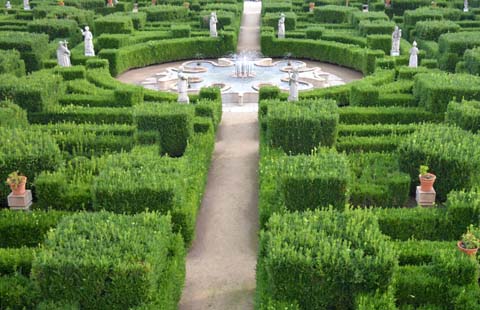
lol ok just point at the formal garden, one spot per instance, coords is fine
(102, 181)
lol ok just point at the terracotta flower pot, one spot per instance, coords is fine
(19, 189)
(426, 181)
(469, 252)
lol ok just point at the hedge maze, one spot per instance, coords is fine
(118, 171)
(338, 181)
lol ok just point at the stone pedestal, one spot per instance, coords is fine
(425, 198)
(20, 202)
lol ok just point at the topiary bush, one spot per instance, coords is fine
(10, 62)
(333, 14)
(310, 258)
(301, 127)
(465, 114)
(102, 260)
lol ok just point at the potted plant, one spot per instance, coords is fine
(17, 182)
(426, 179)
(470, 241)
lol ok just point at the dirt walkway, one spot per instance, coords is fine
(221, 262)
(249, 37)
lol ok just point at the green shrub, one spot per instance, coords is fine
(71, 73)
(310, 258)
(361, 130)
(79, 114)
(18, 292)
(435, 90)
(165, 13)
(465, 115)
(180, 31)
(113, 24)
(276, 7)
(358, 16)
(472, 61)
(450, 152)
(377, 301)
(363, 95)
(432, 30)
(211, 109)
(26, 229)
(310, 182)
(210, 93)
(463, 209)
(128, 96)
(97, 64)
(128, 261)
(458, 42)
(11, 115)
(378, 181)
(32, 47)
(314, 32)
(420, 252)
(387, 143)
(10, 62)
(333, 14)
(367, 27)
(268, 92)
(412, 17)
(380, 42)
(174, 122)
(16, 260)
(301, 127)
(385, 115)
(57, 29)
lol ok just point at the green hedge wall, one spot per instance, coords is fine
(144, 54)
(458, 42)
(32, 47)
(11, 115)
(113, 24)
(465, 114)
(435, 90)
(347, 55)
(386, 115)
(451, 153)
(57, 29)
(310, 258)
(333, 14)
(11, 62)
(18, 292)
(472, 60)
(102, 260)
(300, 127)
(165, 13)
(310, 182)
(432, 30)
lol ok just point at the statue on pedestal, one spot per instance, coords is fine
(396, 36)
(89, 51)
(281, 26)
(135, 8)
(213, 25)
(8, 5)
(413, 62)
(63, 54)
(465, 5)
(26, 5)
(182, 86)
(293, 84)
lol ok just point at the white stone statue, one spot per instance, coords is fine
(135, 8)
(63, 54)
(89, 51)
(8, 5)
(281, 26)
(115, 2)
(413, 62)
(26, 5)
(182, 86)
(293, 84)
(465, 5)
(396, 36)
(213, 24)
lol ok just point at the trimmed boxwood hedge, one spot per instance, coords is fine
(32, 47)
(465, 114)
(11, 62)
(108, 261)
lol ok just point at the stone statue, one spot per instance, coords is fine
(182, 86)
(63, 54)
(135, 8)
(26, 5)
(293, 84)
(396, 36)
(213, 25)
(465, 5)
(388, 3)
(89, 51)
(115, 2)
(413, 62)
(281, 26)
(8, 5)
(110, 3)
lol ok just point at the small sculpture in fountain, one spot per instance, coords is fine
(63, 54)
(293, 84)
(281, 26)
(243, 67)
(413, 62)
(89, 51)
(465, 5)
(213, 25)
(396, 36)
(182, 86)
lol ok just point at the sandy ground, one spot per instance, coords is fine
(221, 262)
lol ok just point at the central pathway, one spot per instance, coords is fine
(221, 262)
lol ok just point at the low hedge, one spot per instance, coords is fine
(113, 24)
(435, 90)
(11, 115)
(301, 127)
(432, 30)
(71, 73)
(451, 153)
(380, 42)
(11, 62)
(301, 254)
(310, 182)
(137, 258)
(165, 13)
(363, 94)
(386, 115)
(57, 29)
(18, 292)
(16, 260)
(459, 42)
(387, 143)
(367, 27)
(465, 114)
(361, 130)
(472, 61)
(33, 47)
(333, 14)
(174, 123)
(79, 114)
(26, 229)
